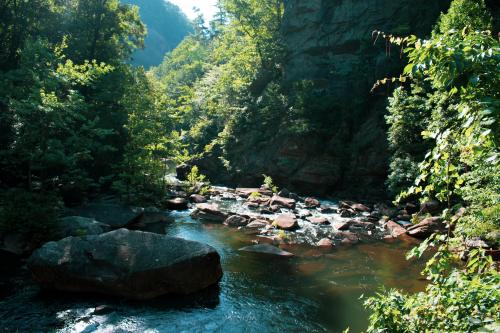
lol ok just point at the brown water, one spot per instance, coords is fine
(315, 291)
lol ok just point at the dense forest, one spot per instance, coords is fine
(103, 98)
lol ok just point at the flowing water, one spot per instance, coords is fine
(315, 291)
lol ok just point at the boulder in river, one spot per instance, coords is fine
(427, 227)
(325, 243)
(283, 202)
(257, 224)
(80, 226)
(312, 203)
(318, 220)
(209, 212)
(394, 229)
(286, 222)
(266, 249)
(129, 264)
(236, 221)
(197, 198)
(177, 204)
(113, 214)
(246, 192)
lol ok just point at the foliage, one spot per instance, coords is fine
(456, 300)
(268, 183)
(197, 182)
(31, 215)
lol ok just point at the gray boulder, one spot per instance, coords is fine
(81, 226)
(115, 215)
(129, 264)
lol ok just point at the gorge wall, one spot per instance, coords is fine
(329, 44)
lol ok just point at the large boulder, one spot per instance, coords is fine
(286, 222)
(115, 215)
(80, 226)
(129, 264)
(236, 221)
(177, 204)
(427, 227)
(209, 212)
(394, 229)
(246, 192)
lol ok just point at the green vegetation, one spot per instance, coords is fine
(268, 183)
(196, 182)
(450, 115)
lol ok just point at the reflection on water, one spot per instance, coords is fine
(315, 291)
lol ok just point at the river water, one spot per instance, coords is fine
(317, 290)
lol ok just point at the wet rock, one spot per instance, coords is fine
(430, 207)
(286, 222)
(80, 226)
(356, 225)
(102, 310)
(115, 215)
(427, 227)
(294, 196)
(394, 229)
(325, 242)
(257, 224)
(303, 213)
(260, 200)
(177, 204)
(246, 192)
(209, 212)
(347, 213)
(129, 264)
(347, 237)
(283, 202)
(357, 207)
(312, 203)
(236, 221)
(266, 249)
(197, 198)
(328, 210)
(318, 220)
(284, 193)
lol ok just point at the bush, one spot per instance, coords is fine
(32, 215)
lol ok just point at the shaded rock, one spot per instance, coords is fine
(394, 229)
(266, 249)
(283, 202)
(257, 224)
(260, 200)
(325, 242)
(14, 244)
(312, 203)
(347, 237)
(347, 212)
(81, 226)
(209, 212)
(294, 196)
(177, 204)
(430, 207)
(427, 227)
(328, 210)
(130, 264)
(236, 221)
(197, 198)
(318, 220)
(411, 208)
(355, 224)
(284, 193)
(286, 222)
(182, 171)
(115, 215)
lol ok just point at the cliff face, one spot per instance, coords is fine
(330, 43)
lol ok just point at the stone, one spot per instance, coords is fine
(303, 213)
(177, 204)
(355, 225)
(318, 220)
(260, 200)
(411, 208)
(80, 226)
(394, 229)
(209, 212)
(257, 224)
(286, 222)
(347, 237)
(115, 215)
(130, 264)
(197, 198)
(284, 193)
(266, 249)
(430, 207)
(246, 192)
(347, 212)
(427, 227)
(294, 196)
(236, 221)
(182, 170)
(312, 203)
(325, 242)
(360, 208)
(327, 210)
(283, 202)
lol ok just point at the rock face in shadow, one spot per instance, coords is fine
(113, 214)
(129, 264)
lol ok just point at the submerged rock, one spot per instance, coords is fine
(266, 249)
(130, 264)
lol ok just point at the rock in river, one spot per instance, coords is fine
(209, 212)
(266, 249)
(283, 202)
(236, 221)
(286, 222)
(427, 227)
(129, 264)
